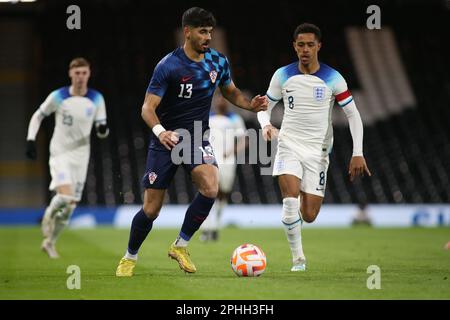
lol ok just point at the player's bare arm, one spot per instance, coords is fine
(235, 96)
(167, 138)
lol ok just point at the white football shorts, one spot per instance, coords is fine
(69, 168)
(227, 174)
(310, 167)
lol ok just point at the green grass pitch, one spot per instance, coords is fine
(413, 263)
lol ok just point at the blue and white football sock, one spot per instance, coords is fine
(61, 221)
(58, 202)
(292, 223)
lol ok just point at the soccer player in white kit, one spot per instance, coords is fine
(308, 89)
(76, 109)
(227, 137)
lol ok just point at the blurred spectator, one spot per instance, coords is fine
(362, 216)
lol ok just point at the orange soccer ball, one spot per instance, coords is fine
(248, 260)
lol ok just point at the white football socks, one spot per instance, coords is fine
(61, 221)
(57, 215)
(130, 256)
(220, 206)
(180, 242)
(292, 223)
(57, 203)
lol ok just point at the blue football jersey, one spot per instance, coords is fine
(186, 88)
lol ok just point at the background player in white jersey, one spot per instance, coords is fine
(76, 108)
(308, 89)
(227, 137)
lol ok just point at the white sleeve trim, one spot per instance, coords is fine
(356, 127)
(264, 116)
(272, 98)
(273, 92)
(35, 124)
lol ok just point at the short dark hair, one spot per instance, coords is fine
(79, 62)
(308, 28)
(198, 17)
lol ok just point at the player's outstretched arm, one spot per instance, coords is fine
(235, 96)
(167, 138)
(45, 109)
(269, 131)
(33, 128)
(274, 95)
(358, 166)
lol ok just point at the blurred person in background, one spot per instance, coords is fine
(77, 108)
(361, 216)
(227, 137)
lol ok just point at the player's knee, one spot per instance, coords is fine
(289, 193)
(65, 200)
(308, 218)
(151, 211)
(210, 191)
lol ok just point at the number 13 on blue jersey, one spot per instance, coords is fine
(185, 90)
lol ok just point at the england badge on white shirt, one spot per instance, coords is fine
(319, 93)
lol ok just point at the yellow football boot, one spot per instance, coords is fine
(125, 267)
(182, 256)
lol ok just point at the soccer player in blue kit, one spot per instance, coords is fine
(179, 94)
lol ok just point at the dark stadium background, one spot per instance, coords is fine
(407, 152)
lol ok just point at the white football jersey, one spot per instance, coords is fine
(308, 100)
(223, 131)
(74, 117)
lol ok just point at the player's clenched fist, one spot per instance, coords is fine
(270, 132)
(168, 139)
(259, 103)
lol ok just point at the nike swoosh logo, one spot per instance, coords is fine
(184, 79)
(321, 189)
(289, 91)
